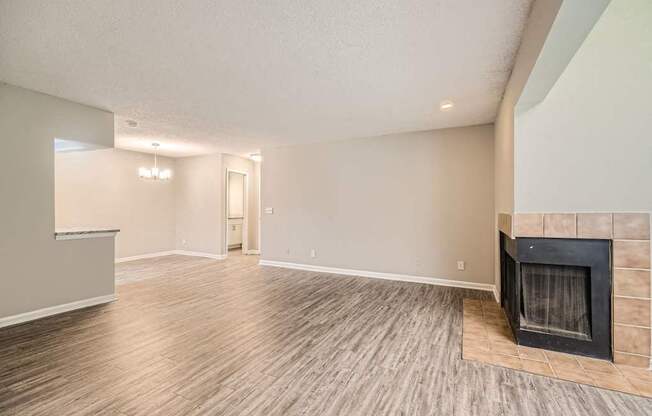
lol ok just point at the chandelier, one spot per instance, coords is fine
(154, 173)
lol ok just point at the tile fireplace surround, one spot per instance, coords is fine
(631, 288)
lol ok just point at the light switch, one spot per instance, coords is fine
(269, 210)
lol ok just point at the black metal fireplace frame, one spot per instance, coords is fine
(594, 254)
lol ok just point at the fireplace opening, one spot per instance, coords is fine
(557, 293)
(556, 300)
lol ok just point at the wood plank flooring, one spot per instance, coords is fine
(193, 336)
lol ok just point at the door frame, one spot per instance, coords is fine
(245, 220)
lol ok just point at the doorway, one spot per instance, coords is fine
(236, 224)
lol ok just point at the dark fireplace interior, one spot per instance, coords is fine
(556, 300)
(557, 293)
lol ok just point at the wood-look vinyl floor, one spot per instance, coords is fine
(193, 336)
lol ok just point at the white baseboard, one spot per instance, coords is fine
(55, 310)
(200, 254)
(496, 296)
(168, 253)
(144, 256)
(253, 252)
(379, 275)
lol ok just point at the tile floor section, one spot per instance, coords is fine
(488, 339)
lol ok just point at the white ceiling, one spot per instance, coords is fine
(235, 76)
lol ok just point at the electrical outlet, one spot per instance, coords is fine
(183, 242)
(461, 265)
(313, 253)
(269, 210)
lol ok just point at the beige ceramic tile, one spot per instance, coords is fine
(504, 348)
(632, 311)
(528, 225)
(505, 224)
(632, 283)
(489, 305)
(531, 353)
(560, 360)
(631, 254)
(631, 360)
(473, 354)
(476, 333)
(503, 352)
(597, 366)
(506, 361)
(612, 382)
(632, 339)
(643, 387)
(472, 302)
(559, 225)
(643, 374)
(632, 226)
(537, 367)
(471, 319)
(477, 344)
(494, 313)
(594, 226)
(577, 376)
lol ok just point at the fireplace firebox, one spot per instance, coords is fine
(557, 293)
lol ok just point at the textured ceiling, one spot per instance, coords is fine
(235, 76)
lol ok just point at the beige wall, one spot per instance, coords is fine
(102, 188)
(587, 146)
(36, 271)
(411, 203)
(199, 204)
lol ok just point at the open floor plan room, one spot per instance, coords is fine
(325, 207)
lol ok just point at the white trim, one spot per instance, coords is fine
(168, 253)
(380, 275)
(200, 254)
(496, 296)
(55, 310)
(252, 251)
(245, 220)
(145, 256)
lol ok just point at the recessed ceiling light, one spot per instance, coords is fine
(131, 123)
(446, 105)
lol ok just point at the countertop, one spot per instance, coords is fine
(84, 232)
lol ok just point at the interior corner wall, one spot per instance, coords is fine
(587, 146)
(199, 204)
(411, 204)
(37, 270)
(101, 188)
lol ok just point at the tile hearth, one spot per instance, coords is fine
(488, 339)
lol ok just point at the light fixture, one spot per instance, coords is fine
(446, 105)
(256, 157)
(155, 173)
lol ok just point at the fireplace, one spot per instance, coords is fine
(557, 293)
